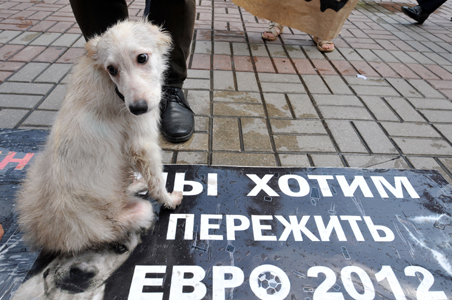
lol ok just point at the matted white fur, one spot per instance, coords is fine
(79, 192)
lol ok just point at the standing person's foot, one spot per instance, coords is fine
(415, 13)
(323, 45)
(178, 121)
(274, 30)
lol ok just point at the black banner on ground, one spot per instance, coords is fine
(274, 233)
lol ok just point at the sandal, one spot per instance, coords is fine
(273, 28)
(321, 43)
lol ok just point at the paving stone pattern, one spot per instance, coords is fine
(280, 103)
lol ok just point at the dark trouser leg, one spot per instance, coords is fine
(429, 6)
(95, 16)
(178, 18)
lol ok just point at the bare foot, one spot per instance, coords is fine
(326, 46)
(274, 30)
(323, 45)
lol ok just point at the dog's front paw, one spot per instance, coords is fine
(176, 199)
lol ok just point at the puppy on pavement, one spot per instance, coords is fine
(79, 192)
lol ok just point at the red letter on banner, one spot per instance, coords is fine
(22, 162)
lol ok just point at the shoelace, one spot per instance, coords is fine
(172, 95)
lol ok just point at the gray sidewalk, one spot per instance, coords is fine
(280, 103)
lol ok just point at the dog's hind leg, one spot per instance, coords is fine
(137, 214)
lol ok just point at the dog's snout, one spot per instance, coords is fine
(139, 107)
(78, 279)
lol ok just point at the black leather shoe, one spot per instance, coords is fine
(178, 121)
(415, 13)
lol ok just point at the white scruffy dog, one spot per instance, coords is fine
(79, 192)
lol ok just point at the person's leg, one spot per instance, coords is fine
(429, 6)
(95, 16)
(323, 45)
(421, 12)
(178, 18)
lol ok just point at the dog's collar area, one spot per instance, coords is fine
(119, 93)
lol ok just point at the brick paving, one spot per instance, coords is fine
(280, 103)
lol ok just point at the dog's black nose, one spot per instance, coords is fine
(139, 107)
(77, 280)
(78, 273)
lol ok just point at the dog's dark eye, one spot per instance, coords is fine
(112, 70)
(119, 248)
(142, 58)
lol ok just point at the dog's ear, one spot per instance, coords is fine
(91, 47)
(164, 41)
